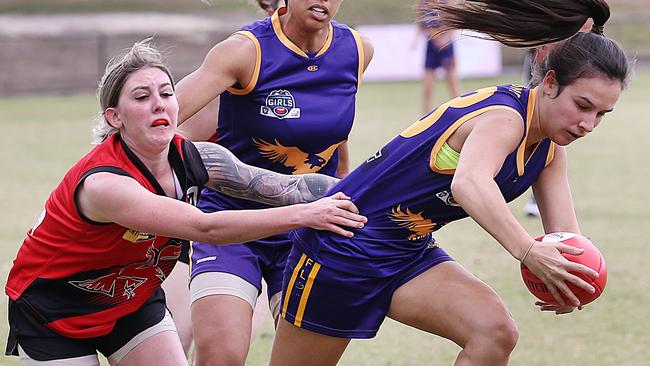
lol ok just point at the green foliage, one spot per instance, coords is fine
(43, 137)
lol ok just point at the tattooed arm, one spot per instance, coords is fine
(230, 176)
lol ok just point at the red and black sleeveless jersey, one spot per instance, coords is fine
(78, 276)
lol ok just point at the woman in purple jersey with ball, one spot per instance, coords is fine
(468, 157)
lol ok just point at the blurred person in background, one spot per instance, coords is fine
(87, 277)
(468, 157)
(439, 55)
(287, 87)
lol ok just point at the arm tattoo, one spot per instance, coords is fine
(230, 176)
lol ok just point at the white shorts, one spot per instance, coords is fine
(222, 283)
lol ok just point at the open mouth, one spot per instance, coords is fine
(319, 12)
(160, 122)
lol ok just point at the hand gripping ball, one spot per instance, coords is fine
(591, 258)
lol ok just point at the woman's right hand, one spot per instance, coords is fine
(331, 213)
(557, 309)
(545, 260)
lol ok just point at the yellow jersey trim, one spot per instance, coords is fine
(362, 55)
(292, 281)
(256, 70)
(277, 28)
(532, 96)
(305, 294)
(443, 138)
(551, 154)
(458, 102)
(328, 40)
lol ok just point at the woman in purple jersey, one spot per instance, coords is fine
(202, 126)
(337, 289)
(225, 285)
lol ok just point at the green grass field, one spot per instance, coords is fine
(42, 137)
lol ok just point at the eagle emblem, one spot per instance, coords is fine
(414, 222)
(123, 281)
(293, 158)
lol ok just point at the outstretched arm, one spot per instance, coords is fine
(111, 198)
(230, 176)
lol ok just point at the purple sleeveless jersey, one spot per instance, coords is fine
(296, 111)
(406, 198)
(343, 287)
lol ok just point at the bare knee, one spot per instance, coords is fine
(220, 345)
(223, 355)
(494, 338)
(505, 333)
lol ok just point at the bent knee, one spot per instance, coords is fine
(492, 343)
(505, 333)
(499, 331)
(498, 325)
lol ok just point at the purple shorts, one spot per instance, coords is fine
(249, 261)
(438, 57)
(341, 304)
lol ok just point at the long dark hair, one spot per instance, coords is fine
(528, 23)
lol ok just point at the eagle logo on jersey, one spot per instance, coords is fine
(133, 275)
(293, 158)
(103, 284)
(280, 104)
(516, 89)
(414, 222)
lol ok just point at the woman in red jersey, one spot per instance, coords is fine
(87, 277)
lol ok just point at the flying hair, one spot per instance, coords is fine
(522, 23)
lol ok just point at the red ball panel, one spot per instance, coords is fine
(591, 258)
